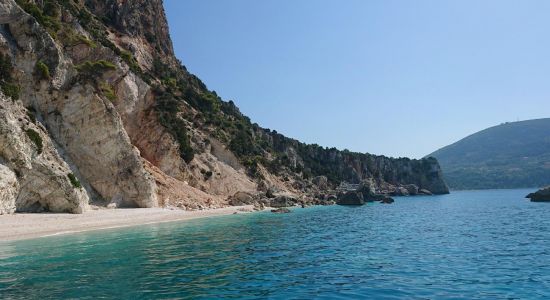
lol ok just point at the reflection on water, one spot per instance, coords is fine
(484, 244)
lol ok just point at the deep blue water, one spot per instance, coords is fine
(467, 245)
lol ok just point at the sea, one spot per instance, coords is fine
(490, 244)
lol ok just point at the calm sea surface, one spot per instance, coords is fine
(467, 245)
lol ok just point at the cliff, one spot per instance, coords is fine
(96, 110)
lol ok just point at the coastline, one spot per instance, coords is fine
(22, 226)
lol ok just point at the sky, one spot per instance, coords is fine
(398, 78)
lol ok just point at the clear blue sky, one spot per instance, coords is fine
(399, 78)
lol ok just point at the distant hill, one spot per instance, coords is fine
(510, 155)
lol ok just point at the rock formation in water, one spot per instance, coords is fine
(96, 110)
(542, 195)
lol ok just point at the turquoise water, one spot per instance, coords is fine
(467, 245)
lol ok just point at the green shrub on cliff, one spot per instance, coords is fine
(30, 114)
(42, 70)
(36, 139)
(71, 38)
(92, 70)
(49, 17)
(108, 91)
(130, 60)
(11, 90)
(7, 84)
(167, 108)
(5, 68)
(74, 181)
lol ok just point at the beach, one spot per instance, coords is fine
(22, 226)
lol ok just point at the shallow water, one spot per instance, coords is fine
(467, 245)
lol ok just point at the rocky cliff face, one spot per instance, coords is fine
(96, 110)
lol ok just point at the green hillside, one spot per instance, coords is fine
(510, 155)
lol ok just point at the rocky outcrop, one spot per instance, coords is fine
(412, 189)
(387, 200)
(78, 115)
(424, 192)
(351, 198)
(140, 26)
(33, 176)
(400, 191)
(542, 195)
(385, 172)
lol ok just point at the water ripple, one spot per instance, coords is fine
(467, 245)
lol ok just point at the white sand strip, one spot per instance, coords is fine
(27, 226)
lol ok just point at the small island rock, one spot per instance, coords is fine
(387, 200)
(542, 195)
(351, 198)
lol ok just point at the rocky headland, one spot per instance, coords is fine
(96, 111)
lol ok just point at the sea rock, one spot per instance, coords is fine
(400, 191)
(412, 189)
(424, 192)
(387, 200)
(281, 210)
(367, 188)
(351, 198)
(331, 197)
(326, 200)
(542, 195)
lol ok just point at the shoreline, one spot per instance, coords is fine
(24, 226)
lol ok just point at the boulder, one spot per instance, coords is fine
(241, 198)
(281, 210)
(400, 191)
(258, 206)
(412, 189)
(375, 197)
(387, 200)
(282, 201)
(367, 187)
(542, 195)
(331, 197)
(351, 198)
(424, 192)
